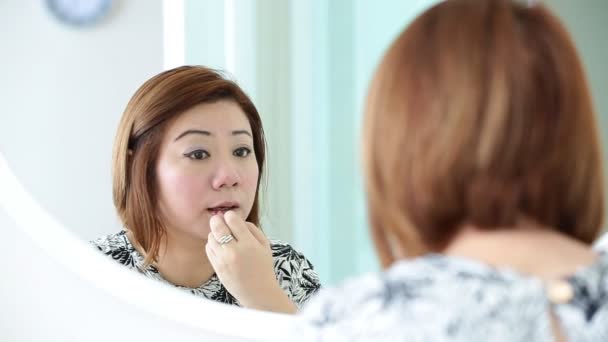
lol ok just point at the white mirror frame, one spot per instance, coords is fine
(134, 290)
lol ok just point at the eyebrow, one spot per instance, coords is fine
(208, 134)
(244, 132)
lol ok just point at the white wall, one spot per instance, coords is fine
(62, 92)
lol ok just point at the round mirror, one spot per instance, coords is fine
(62, 288)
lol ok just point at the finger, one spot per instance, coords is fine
(237, 226)
(258, 234)
(209, 249)
(215, 253)
(219, 228)
(210, 252)
(213, 246)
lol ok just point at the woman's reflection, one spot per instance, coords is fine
(188, 159)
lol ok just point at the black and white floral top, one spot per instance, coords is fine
(440, 298)
(294, 272)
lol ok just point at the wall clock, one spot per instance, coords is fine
(79, 12)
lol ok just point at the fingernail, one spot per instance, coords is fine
(211, 224)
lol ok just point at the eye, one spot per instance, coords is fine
(241, 152)
(197, 155)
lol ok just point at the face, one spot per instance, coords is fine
(206, 165)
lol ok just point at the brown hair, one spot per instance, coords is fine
(478, 113)
(137, 144)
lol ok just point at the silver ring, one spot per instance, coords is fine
(225, 239)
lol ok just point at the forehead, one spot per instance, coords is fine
(218, 117)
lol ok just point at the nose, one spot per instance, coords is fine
(226, 176)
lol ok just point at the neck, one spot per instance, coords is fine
(183, 261)
(529, 249)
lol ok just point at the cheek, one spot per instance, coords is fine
(180, 191)
(249, 183)
(250, 178)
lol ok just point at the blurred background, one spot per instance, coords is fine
(68, 68)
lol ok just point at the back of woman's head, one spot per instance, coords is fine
(138, 139)
(480, 114)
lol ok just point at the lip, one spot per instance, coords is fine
(225, 204)
(223, 207)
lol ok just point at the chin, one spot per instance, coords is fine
(199, 234)
(203, 234)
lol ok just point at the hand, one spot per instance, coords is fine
(244, 265)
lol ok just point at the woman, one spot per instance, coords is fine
(484, 187)
(187, 164)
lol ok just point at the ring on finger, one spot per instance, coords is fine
(225, 239)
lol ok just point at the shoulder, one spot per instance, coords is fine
(429, 278)
(295, 272)
(284, 254)
(398, 302)
(112, 241)
(283, 250)
(117, 246)
(601, 244)
(287, 258)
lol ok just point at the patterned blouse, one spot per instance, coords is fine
(440, 298)
(294, 272)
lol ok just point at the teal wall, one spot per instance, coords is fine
(587, 22)
(336, 46)
(204, 32)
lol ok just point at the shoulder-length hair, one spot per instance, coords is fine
(480, 113)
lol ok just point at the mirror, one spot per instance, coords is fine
(62, 289)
